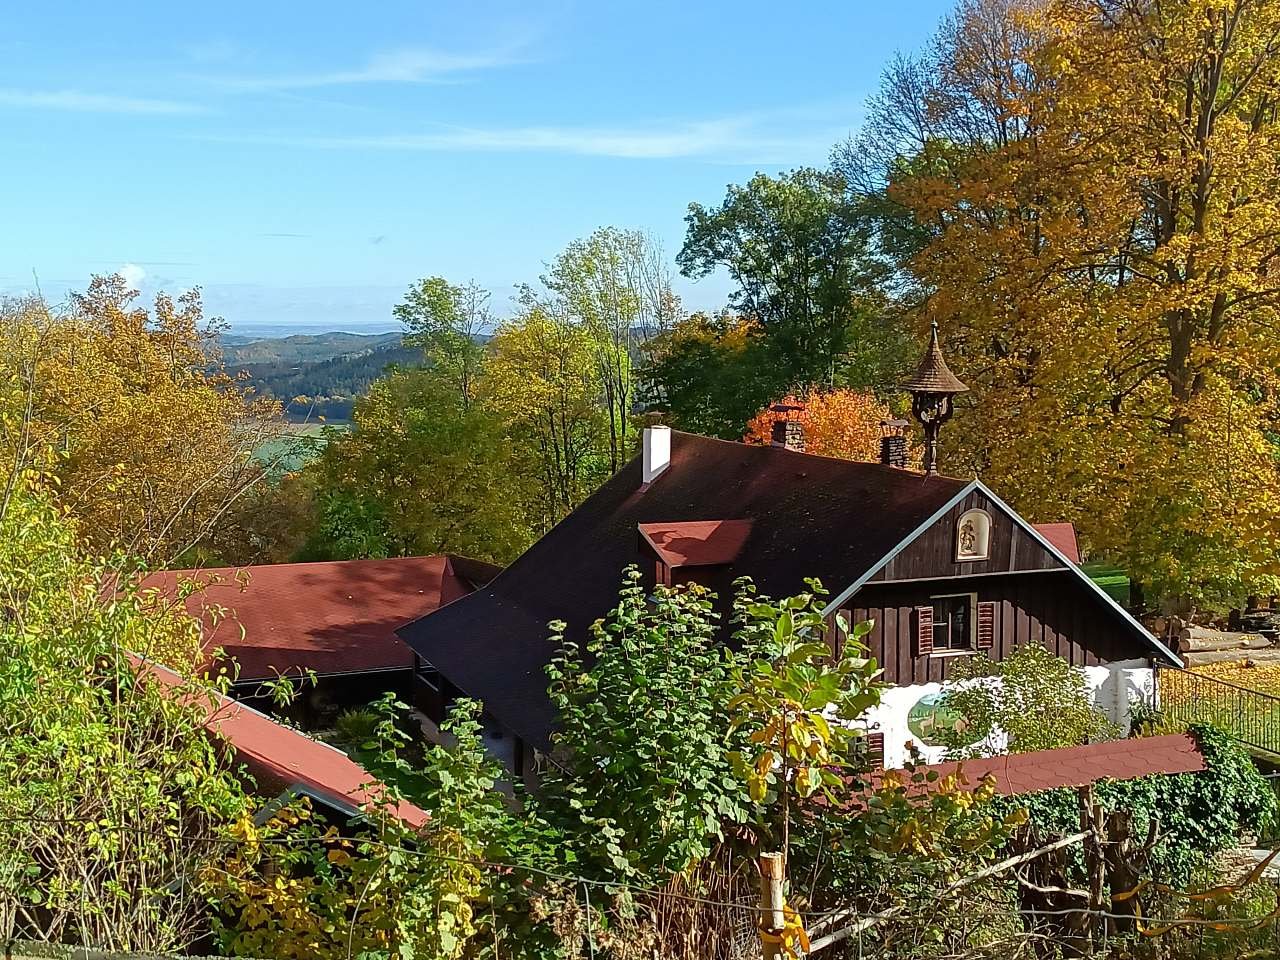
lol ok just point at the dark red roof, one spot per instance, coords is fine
(337, 617)
(1062, 536)
(281, 757)
(812, 517)
(697, 543)
(1077, 766)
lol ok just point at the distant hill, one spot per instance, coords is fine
(304, 347)
(327, 370)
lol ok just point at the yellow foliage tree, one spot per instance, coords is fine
(840, 423)
(1094, 193)
(542, 379)
(153, 441)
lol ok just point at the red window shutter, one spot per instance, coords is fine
(986, 636)
(875, 750)
(924, 631)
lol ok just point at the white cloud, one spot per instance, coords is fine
(733, 139)
(409, 65)
(91, 102)
(133, 275)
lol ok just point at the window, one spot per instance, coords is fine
(953, 622)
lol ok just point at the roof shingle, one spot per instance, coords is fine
(1021, 773)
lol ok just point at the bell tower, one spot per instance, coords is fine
(932, 389)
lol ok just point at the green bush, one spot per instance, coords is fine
(1200, 814)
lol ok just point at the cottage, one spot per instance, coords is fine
(943, 567)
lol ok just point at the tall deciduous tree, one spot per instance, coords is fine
(1100, 253)
(542, 380)
(799, 252)
(710, 374)
(617, 285)
(419, 472)
(447, 321)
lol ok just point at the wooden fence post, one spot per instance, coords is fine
(772, 918)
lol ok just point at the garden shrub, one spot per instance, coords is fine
(1201, 814)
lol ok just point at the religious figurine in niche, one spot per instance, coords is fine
(973, 535)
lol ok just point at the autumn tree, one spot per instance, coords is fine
(541, 380)
(1094, 188)
(799, 252)
(153, 439)
(837, 423)
(616, 284)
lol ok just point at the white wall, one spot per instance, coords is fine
(1113, 687)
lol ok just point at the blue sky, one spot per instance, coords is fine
(303, 163)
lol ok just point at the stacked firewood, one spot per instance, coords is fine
(1199, 645)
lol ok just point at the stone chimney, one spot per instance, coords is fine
(893, 443)
(789, 434)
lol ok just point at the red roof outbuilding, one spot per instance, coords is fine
(336, 617)
(281, 758)
(1021, 773)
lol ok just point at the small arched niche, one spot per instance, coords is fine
(973, 535)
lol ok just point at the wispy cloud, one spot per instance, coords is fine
(77, 100)
(734, 139)
(409, 65)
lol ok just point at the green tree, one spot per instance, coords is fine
(617, 286)
(648, 788)
(798, 703)
(446, 321)
(710, 374)
(800, 254)
(420, 472)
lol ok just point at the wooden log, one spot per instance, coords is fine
(1196, 639)
(1205, 657)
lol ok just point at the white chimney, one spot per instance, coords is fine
(657, 453)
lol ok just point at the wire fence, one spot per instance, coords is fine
(1250, 716)
(960, 903)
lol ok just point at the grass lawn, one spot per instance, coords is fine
(297, 444)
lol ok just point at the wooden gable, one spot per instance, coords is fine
(933, 555)
(1021, 591)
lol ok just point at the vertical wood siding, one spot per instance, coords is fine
(1052, 609)
(933, 553)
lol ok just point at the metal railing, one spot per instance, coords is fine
(1251, 716)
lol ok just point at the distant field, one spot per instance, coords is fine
(297, 444)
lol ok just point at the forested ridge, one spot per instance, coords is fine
(318, 376)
